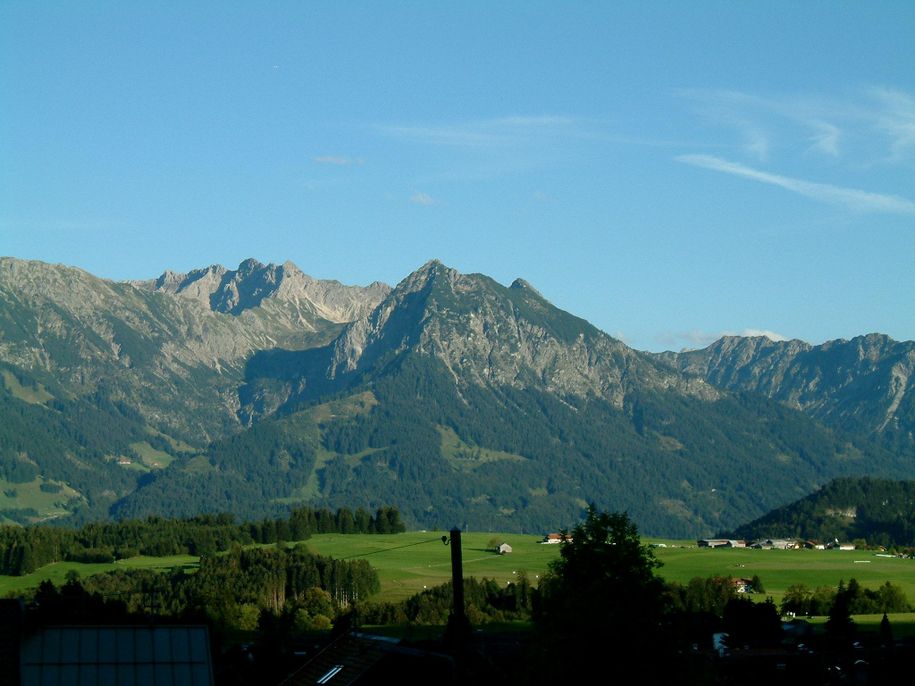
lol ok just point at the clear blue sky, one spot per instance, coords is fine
(670, 171)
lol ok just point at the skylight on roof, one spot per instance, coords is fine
(330, 674)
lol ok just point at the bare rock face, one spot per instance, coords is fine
(490, 335)
(863, 384)
(179, 340)
(278, 287)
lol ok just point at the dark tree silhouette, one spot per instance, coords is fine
(601, 605)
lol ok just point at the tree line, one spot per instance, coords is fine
(230, 590)
(824, 600)
(23, 550)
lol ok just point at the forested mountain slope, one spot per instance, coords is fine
(462, 401)
(879, 511)
(470, 403)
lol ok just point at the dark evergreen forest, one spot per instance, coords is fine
(875, 511)
(23, 550)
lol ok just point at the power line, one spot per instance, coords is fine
(385, 550)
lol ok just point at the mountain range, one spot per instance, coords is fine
(460, 400)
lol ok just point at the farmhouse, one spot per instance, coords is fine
(775, 543)
(712, 542)
(721, 543)
(504, 548)
(742, 585)
(556, 538)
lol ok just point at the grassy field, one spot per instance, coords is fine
(409, 562)
(35, 395)
(151, 458)
(29, 494)
(57, 572)
(779, 569)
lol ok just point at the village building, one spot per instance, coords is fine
(742, 585)
(776, 544)
(721, 543)
(814, 545)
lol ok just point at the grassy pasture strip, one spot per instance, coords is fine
(151, 457)
(36, 395)
(57, 571)
(408, 562)
(29, 494)
(779, 569)
(404, 571)
(407, 571)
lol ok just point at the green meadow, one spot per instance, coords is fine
(57, 571)
(409, 562)
(779, 569)
(54, 500)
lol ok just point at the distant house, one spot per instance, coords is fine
(504, 548)
(556, 538)
(775, 544)
(742, 585)
(712, 542)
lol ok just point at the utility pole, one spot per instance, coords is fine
(458, 630)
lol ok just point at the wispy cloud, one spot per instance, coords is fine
(419, 198)
(336, 160)
(771, 335)
(443, 135)
(486, 132)
(756, 141)
(549, 121)
(851, 198)
(896, 119)
(825, 138)
(696, 339)
(537, 130)
(874, 125)
(736, 111)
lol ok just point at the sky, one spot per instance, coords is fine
(669, 171)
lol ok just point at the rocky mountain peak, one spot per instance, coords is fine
(520, 284)
(168, 281)
(297, 297)
(432, 271)
(820, 380)
(491, 335)
(252, 265)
